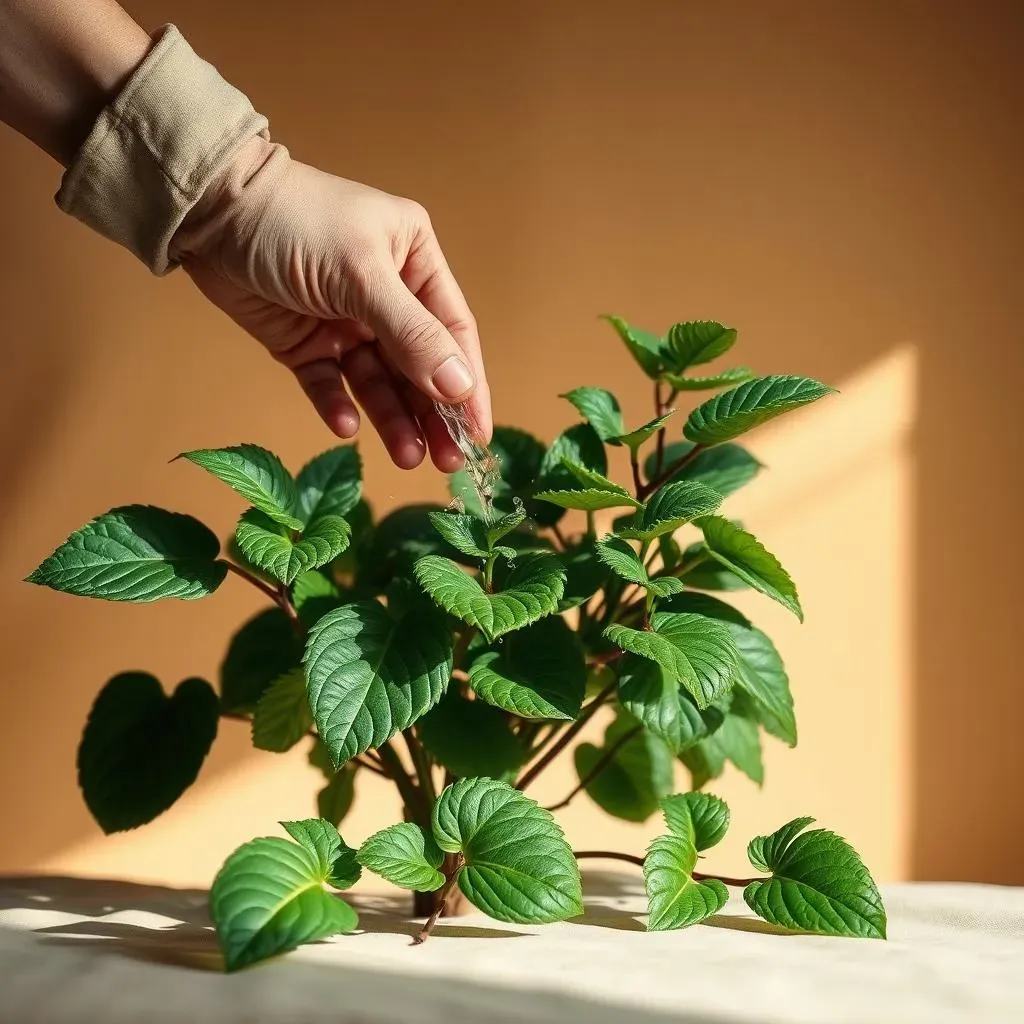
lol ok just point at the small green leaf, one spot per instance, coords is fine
(264, 649)
(141, 749)
(465, 532)
(518, 866)
(506, 524)
(697, 651)
(538, 672)
(737, 739)
(818, 884)
(699, 817)
(724, 468)
(372, 671)
(674, 899)
(725, 379)
(331, 484)
(734, 412)
(592, 491)
(136, 553)
(335, 800)
(269, 545)
(635, 438)
(743, 554)
(636, 779)
(646, 348)
(404, 855)
(580, 445)
(695, 342)
(470, 738)
(282, 715)
(336, 862)
(268, 898)
(622, 560)
(600, 409)
(257, 475)
(669, 508)
(531, 591)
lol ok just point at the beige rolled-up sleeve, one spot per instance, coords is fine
(155, 148)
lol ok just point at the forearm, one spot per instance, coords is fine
(61, 62)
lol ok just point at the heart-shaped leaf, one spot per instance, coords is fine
(470, 738)
(646, 348)
(674, 899)
(669, 508)
(257, 475)
(269, 545)
(734, 412)
(142, 749)
(136, 553)
(518, 866)
(335, 860)
(372, 671)
(724, 468)
(695, 342)
(600, 409)
(538, 672)
(331, 484)
(264, 649)
(743, 554)
(268, 898)
(532, 590)
(282, 716)
(699, 817)
(818, 883)
(725, 379)
(404, 855)
(591, 492)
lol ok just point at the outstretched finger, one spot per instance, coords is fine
(321, 380)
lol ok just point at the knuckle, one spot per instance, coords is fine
(419, 336)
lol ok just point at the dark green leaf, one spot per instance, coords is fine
(402, 537)
(335, 800)
(580, 445)
(585, 574)
(282, 715)
(141, 749)
(669, 508)
(262, 650)
(724, 468)
(404, 855)
(737, 739)
(270, 546)
(600, 409)
(336, 862)
(330, 484)
(699, 817)
(706, 573)
(674, 899)
(646, 348)
(698, 341)
(470, 738)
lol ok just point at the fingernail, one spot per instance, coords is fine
(452, 378)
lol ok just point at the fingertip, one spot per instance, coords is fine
(407, 452)
(345, 423)
(448, 460)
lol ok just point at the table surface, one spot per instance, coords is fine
(87, 950)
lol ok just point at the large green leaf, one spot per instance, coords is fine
(591, 491)
(269, 898)
(335, 860)
(372, 671)
(532, 590)
(136, 553)
(470, 738)
(724, 468)
(743, 554)
(282, 715)
(518, 866)
(818, 883)
(405, 855)
(600, 409)
(674, 899)
(669, 508)
(632, 784)
(655, 698)
(270, 547)
(726, 379)
(331, 484)
(696, 650)
(646, 348)
(462, 531)
(695, 342)
(735, 412)
(142, 749)
(261, 651)
(257, 475)
(537, 672)
(700, 817)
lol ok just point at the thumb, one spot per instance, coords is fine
(415, 340)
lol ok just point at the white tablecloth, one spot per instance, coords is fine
(109, 952)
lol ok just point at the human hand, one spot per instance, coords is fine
(343, 284)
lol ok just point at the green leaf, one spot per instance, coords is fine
(268, 898)
(699, 817)
(585, 574)
(506, 524)
(635, 438)
(331, 484)
(600, 409)
(579, 445)
(282, 715)
(532, 590)
(646, 348)
(518, 866)
(257, 475)
(404, 855)
(401, 538)
(697, 651)
(695, 342)
(734, 412)
(737, 739)
(261, 651)
(464, 532)
(335, 861)
(654, 697)
(538, 672)
(519, 457)
(725, 379)
(818, 884)
(622, 559)
(371, 672)
(743, 554)
(724, 468)
(669, 508)
(591, 492)
(470, 738)
(269, 546)
(674, 899)
(335, 800)
(141, 749)
(706, 573)
(314, 595)
(636, 779)
(136, 553)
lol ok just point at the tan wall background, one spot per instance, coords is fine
(839, 180)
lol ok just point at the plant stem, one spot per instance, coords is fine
(566, 737)
(411, 796)
(599, 766)
(559, 535)
(739, 883)
(634, 463)
(629, 858)
(591, 527)
(279, 597)
(254, 580)
(665, 475)
(439, 909)
(421, 763)
(365, 762)
(489, 572)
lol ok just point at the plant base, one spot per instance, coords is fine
(425, 903)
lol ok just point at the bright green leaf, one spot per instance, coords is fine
(695, 342)
(674, 899)
(646, 348)
(600, 409)
(635, 438)
(336, 862)
(700, 817)
(269, 545)
(579, 445)
(330, 484)
(592, 491)
(622, 559)
(470, 738)
(314, 595)
(282, 715)
(724, 468)
(262, 650)
(725, 379)
(737, 739)
(669, 508)
(506, 524)
(465, 532)
(404, 855)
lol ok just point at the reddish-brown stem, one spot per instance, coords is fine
(279, 597)
(739, 883)
(630, 858)
(634, 464)
(254, 580)
(665, 475)
(566, 737)
(439, 909)
(599, 766)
